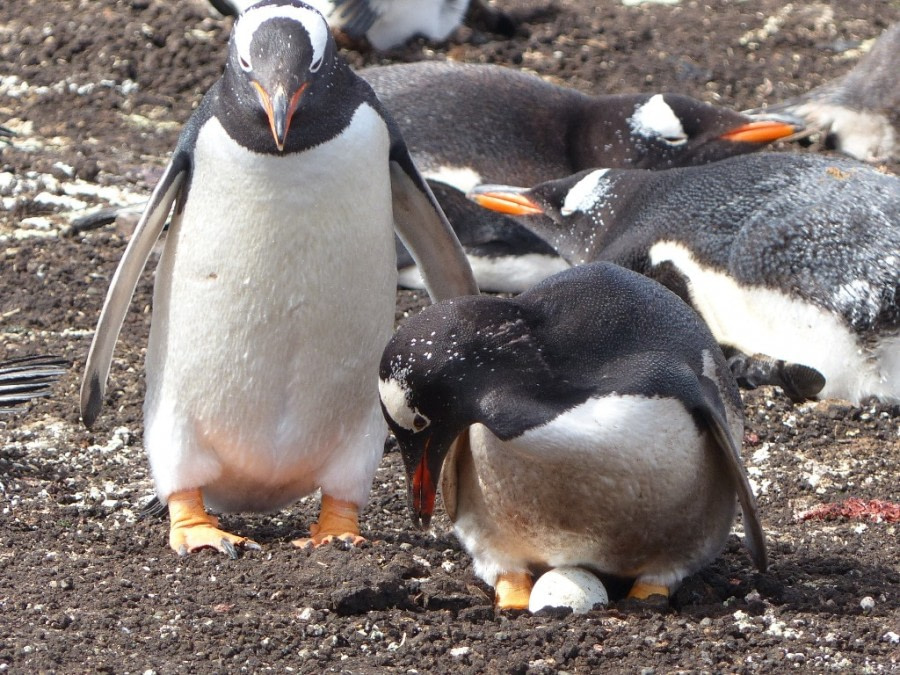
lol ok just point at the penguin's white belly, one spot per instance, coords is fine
(626, 485)
(760, 320)
(399, 20)
(273, 300)
(503, 274)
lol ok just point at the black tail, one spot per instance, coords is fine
(28, 377)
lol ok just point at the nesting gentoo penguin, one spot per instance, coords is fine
(470, 124)
(28, 377)
(791, 256)
(591, 421)
(390, 23)
(275, 293)
(859, 112)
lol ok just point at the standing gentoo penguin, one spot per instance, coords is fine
(860, 112)
(796, 257)
(591, 421)
(28, 377)
(275, 293)
(471, 124)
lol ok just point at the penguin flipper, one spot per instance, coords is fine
(450, 474)
(424, 230)
(713, 413)
(124, 281)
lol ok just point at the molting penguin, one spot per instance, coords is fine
(275, 293)
(796, 257)
(859, 112)
(591, 421)
(471, 124)
(390, 23)
(26, 378)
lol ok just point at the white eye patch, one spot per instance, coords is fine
(313, 23)
(656, 119)
(393, 396)
(585, 193)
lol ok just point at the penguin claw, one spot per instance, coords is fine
(185, 540)
(317, 540)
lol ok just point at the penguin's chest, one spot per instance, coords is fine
(275, 293)
(609, 483)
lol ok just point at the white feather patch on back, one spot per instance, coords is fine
(656, 119)
(313, 22)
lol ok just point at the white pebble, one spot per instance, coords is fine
(571, 587)
(867, 603)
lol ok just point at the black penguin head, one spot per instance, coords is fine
(445, 369)
(670, 130)
(573, 214)
(280, 58)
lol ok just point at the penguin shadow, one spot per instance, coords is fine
(829, 583)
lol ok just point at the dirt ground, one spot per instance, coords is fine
(97, 91)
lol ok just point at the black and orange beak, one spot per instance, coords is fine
(505, 199)
(763, 131)
(422, 490)
(280, 110)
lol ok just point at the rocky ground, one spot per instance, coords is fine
(96, 91)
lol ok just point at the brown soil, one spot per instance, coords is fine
(88, 585)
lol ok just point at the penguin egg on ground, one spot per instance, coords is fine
(571, 587)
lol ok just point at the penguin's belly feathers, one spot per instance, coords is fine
(614, 476)
(273, 300)
(756, 319)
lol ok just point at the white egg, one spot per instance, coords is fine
(567, 587)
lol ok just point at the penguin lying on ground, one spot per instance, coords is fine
(276, 290)
(28, 377)
(796, 257)
(390, 23)
(471, 124)
(591, 421)
(859, 112)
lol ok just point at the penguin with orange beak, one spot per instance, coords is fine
(275, 293)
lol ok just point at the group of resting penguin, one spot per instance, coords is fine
(592, 420)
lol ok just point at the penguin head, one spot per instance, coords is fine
(670, 130)
(575, 214)
(456, 363)
(280, 57)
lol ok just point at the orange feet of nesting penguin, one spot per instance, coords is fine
(337, 520)
(642, 591)
(193, 528)
(513, 590)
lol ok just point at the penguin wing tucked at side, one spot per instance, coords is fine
(168, 191)
(712, 413)
(423, 228)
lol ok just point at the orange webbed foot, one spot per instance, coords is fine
(513, 590)
(643, 591)
(192, 528)
(338, 519)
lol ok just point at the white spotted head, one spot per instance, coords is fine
(655, 119)
(587, 194)
(278, 51)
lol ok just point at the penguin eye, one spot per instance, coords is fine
(245, 64)
(315, 65)
(675, 140)
(420, 422)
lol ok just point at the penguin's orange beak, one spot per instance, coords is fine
(504, 199)
(760, 131)
(280, 110)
